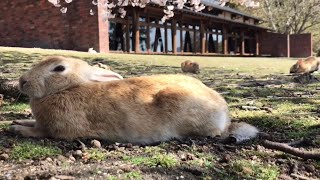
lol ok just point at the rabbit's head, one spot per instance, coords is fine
(196, 67)
(296, 67)
(57, 73)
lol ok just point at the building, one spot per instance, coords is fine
(214, 31)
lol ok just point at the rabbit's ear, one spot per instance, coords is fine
(103, 75)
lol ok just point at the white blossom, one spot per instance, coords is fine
(56, 3)
(95, 2)
(113, 7)
(64, 9)
(170, 7)
(91, 12)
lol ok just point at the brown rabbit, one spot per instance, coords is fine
(308, 65)
(189, 66)
(68, 104)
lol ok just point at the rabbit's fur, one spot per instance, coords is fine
(139, 110)
(308, 65)
(191, 67)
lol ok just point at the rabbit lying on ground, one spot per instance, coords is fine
(308, 65)
(191, 67)
(67, 103)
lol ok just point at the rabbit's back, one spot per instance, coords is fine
(141, 110)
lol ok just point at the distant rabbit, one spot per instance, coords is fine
(67, 103)
(308, 65)
(191, 67)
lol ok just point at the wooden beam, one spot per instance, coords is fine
(206, 42)
(202, 37)
(148, 35)
(174, 36)
(242, 52)
(217, 44)
(288, 45)
(165, 38)
(181, 38)
(194, 40)
(257, 53)
(127, 36)
(225, 40)
(136, 30)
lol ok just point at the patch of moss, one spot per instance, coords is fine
(158, 159)
(15, 107)
(255, 170)
(28, 150)
(96, 154)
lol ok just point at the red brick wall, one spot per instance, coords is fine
(273, 44)
(301, 45)
(37, 23)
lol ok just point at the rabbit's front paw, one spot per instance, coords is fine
(26, 131)
(29, 123)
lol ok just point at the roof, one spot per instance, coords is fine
(215, 4)
(220, 18)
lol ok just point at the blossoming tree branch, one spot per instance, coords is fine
(113, 7)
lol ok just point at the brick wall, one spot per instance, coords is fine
(301, 45)
(37, 23)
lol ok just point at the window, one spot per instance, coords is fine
(157, 39)
(143, 38)
(116, 36)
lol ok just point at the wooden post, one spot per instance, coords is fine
(225, 40)
(236, 44)
(206, 41)
(216, 43)
(194, 40)
(288, 45)
(148, 34)
(181, 38)
(203, 38)
(136, 30)
(165, 38)
(257, 53)
(174, 36)
(127, 36)
(242, 52)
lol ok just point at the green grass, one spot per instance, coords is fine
(4, 126)
(15, 107)
(153, 156)
(27, 150)
(255, 170)
(96, 154)
(236, 64)
(134, 175)
(155, 160)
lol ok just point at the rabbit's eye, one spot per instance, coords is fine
(59, 68)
